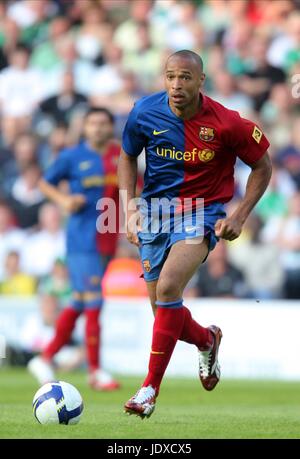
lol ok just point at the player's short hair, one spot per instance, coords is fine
(104, 110)
(188, 54)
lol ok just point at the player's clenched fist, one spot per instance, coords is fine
(228, 228)
(132, 238)
(133, 226)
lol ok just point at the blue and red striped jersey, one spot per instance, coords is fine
(191, 158)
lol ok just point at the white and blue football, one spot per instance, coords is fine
(57, 402)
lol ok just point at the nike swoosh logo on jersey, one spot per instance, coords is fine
(160, 132)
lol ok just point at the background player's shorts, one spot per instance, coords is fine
(155, 247)
(85, 271)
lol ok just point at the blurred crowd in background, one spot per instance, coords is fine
(58, 57)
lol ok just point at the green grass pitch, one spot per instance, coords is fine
(235, 409)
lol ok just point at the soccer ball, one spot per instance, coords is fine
(57, 402)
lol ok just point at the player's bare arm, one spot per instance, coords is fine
(230, 228)
(70, 203)
(127, 176)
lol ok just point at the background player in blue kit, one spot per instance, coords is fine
(191, 144)
(86, 167)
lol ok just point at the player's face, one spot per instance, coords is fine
(183, 80)
(98, 128)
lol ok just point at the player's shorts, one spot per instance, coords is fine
(155, 247)
(85, 272)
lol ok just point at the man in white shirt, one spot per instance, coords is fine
(21, 89)
(46, 245)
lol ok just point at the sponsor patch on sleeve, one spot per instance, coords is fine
(257, 134)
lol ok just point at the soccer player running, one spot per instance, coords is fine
(191, 144)
(91, 171)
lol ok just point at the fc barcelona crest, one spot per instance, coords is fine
(206, 134)
(147, 266)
